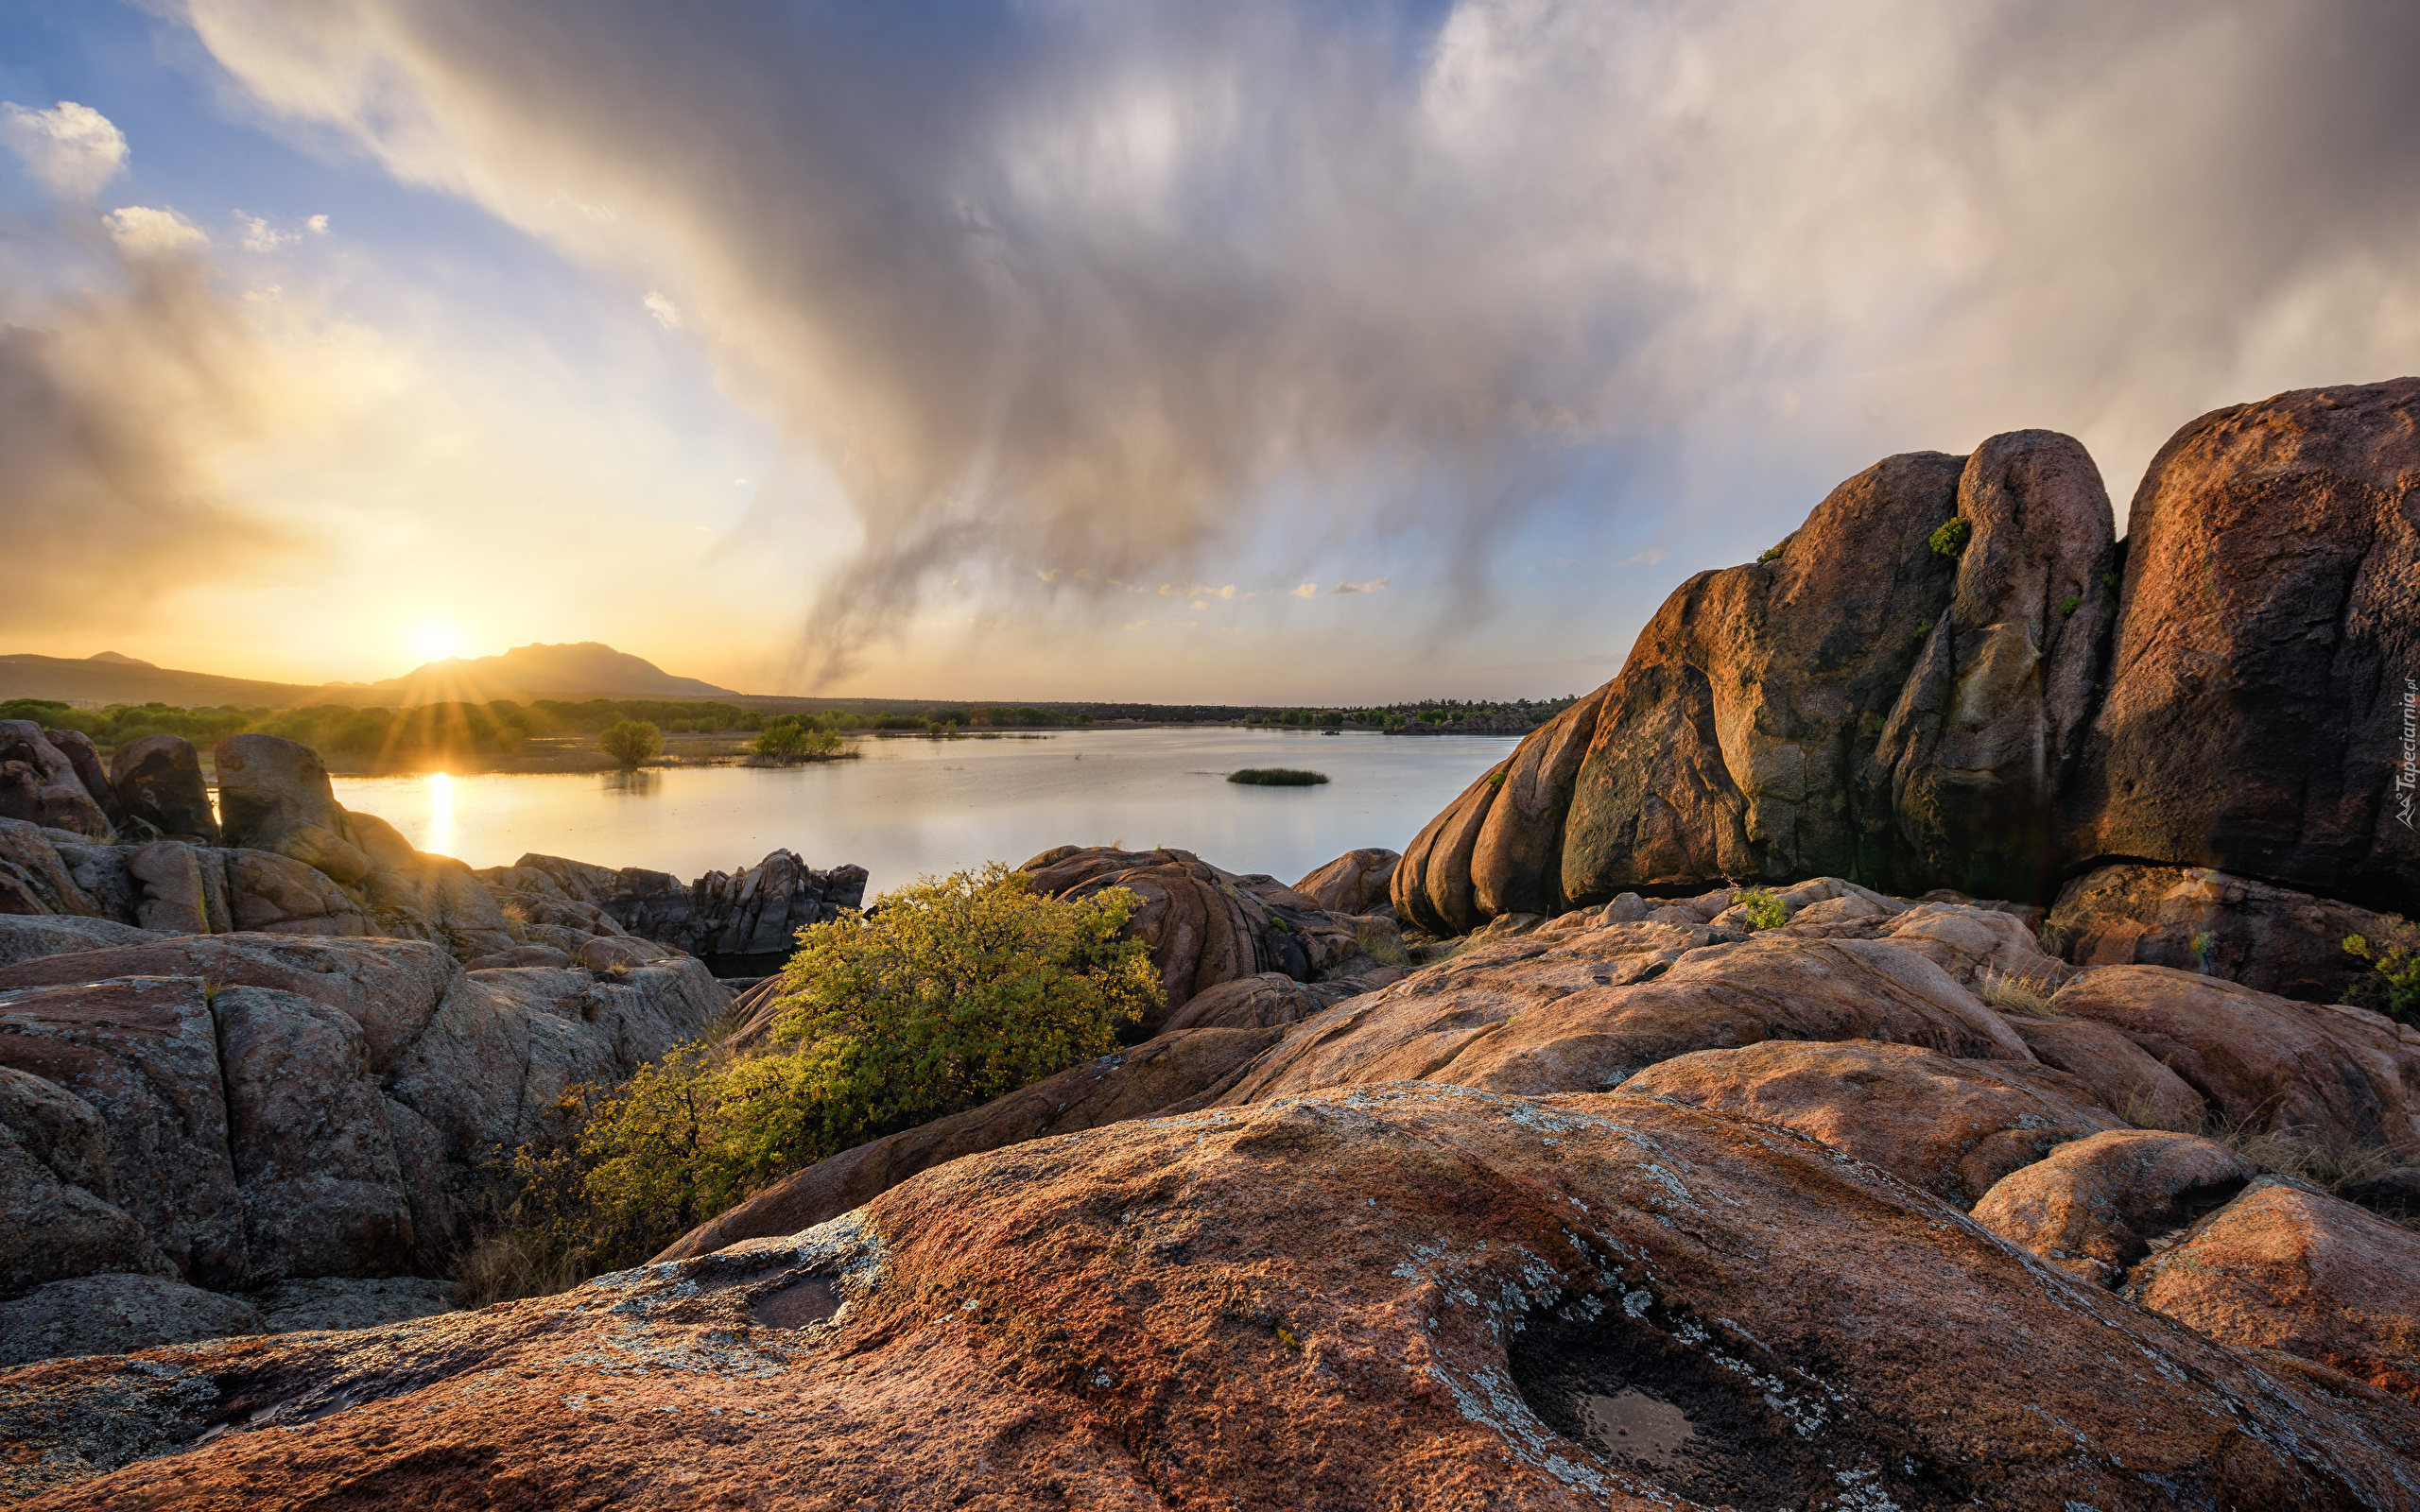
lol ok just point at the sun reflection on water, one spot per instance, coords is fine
(440, 816)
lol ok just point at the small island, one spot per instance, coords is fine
(1276, 776)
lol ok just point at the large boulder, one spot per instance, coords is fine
(1354, 882)
(56, 1181)
(2193, 919)
(2097, 1206)
(1406, 1297)
(29, 937)
(1202, 928)
(1952, 1127)
(2286, 1269)
(92, 775)
(157, 779)
(38, 784)
(1860, 704)
(2123, 1075)
(269, 789)
(2343, 1076)
(2261, 688)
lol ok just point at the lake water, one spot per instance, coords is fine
(911, 807)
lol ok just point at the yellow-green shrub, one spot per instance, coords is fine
(947, 995)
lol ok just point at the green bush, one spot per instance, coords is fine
(1765, 911)
(2070, 603)
(1950, 539)
(953, 993)
(631, 742)
(1770, 552)
(1276, 776)
(790, 739)
(2393, 985)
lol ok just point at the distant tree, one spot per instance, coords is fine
(631, 742)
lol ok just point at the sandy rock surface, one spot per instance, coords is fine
(1405, 1296)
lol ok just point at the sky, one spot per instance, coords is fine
(1264, 351)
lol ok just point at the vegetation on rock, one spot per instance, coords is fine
(2393, 985)
(941, 997)
(1276, 776)
(1765, 911)
(1950, 539)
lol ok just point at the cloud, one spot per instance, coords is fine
(144, 232)
(117, 412)
(1307, 591)
(667, 313)
(1126, 287)
(73, 149)
(1373, 586)
(260, 237)
(1653, 556)
(318, 225)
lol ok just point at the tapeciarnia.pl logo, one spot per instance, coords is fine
(2407, 777)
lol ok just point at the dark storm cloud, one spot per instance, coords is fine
(1082, 287)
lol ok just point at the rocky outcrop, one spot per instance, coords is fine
(115, 1313)
(755, 911)
(2271, 939)
(1861, 705)
(1586, 1011)
(2262, 686)
(233, 1111)
(1953, 1127)
(2288, 1269)
(1943, 679)
(1407, 1296)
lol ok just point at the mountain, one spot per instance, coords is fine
(586, 669)
(121, 659)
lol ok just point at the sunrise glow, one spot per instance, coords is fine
(437, 641)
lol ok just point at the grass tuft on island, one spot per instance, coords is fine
(1277, 777)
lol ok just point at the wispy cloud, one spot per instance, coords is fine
(1373, 586)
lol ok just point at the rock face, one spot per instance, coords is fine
(2262, 680)
(2270, 939)
(157, 779)
(1415, 1297)
(115, 1313)
(2096, 1206)
(232, 1112)
(2286, 1269)
(755, 911)
(1996, 710)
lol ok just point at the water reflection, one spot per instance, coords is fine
(915, 807)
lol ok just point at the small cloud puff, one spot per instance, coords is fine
(667, 313)
(1307, 591)
(318, 225)
(144, 232)
(71, 149)
(1373, 586)
(260, 237)
(1052, 575)
(1136, 625)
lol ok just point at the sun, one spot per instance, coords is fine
(437, 641)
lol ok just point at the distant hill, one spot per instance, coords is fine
(584, 670)
(122, 659)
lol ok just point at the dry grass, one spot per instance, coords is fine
(2330, 1165)
(498, 1267)
(2028, 997)
(2140, 1108)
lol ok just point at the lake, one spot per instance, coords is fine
(909, 807)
